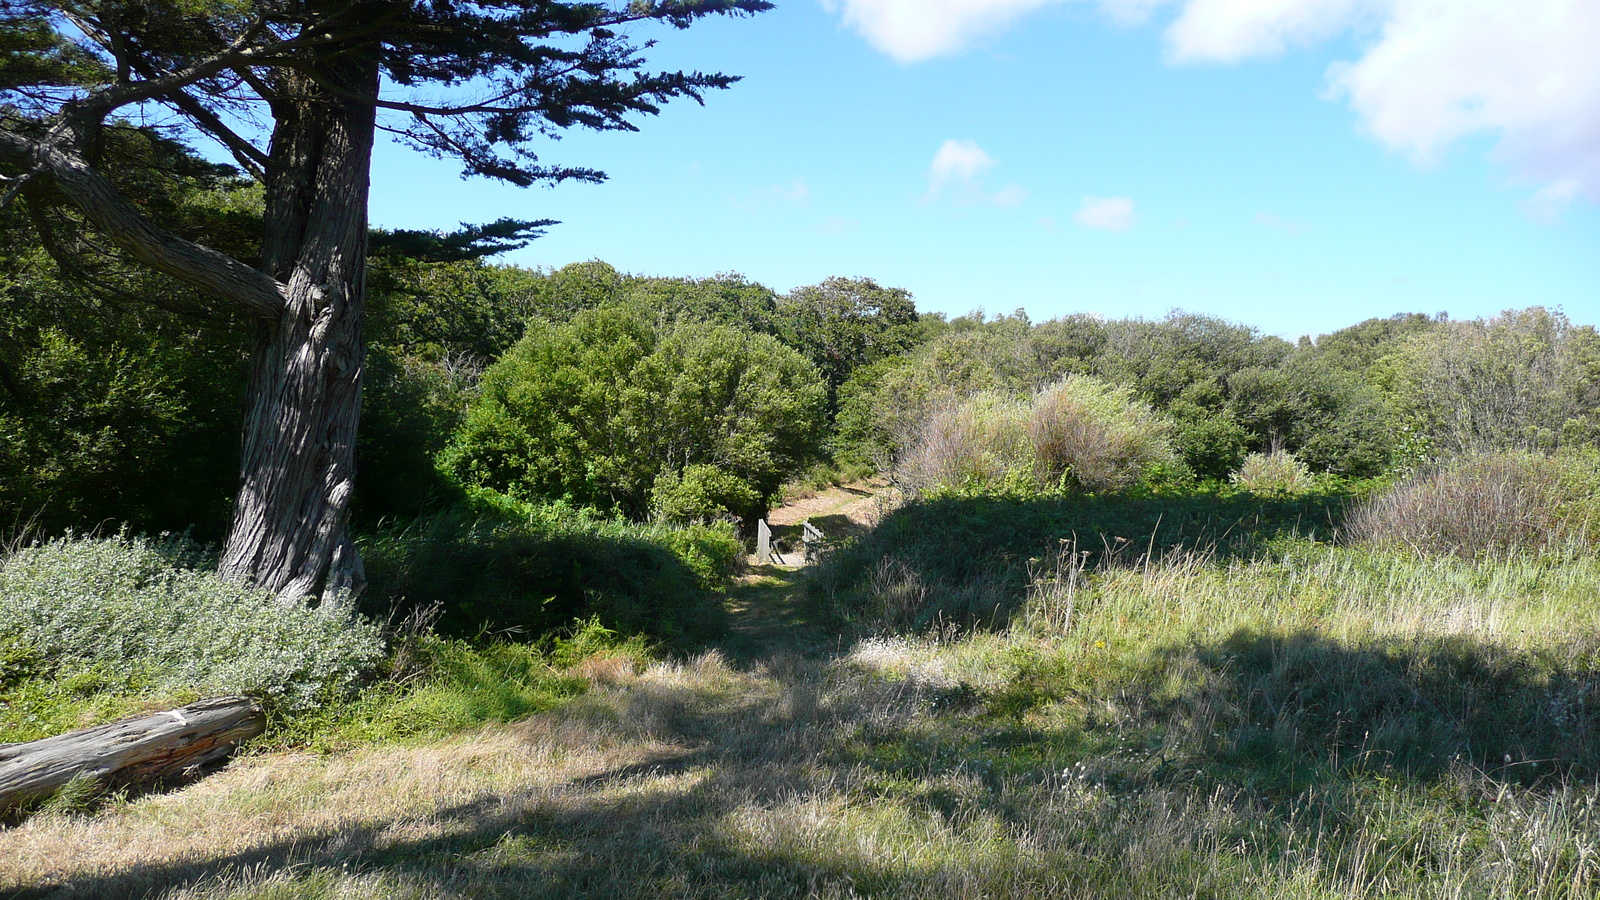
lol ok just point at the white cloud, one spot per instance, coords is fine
(957, 161)
(1105, 213)
(1231, 30)
(1529, 72)
(957, 169)
(1430, 73)
(913, 30)
(1547, 204)
(1435, 71)
(1010, 195)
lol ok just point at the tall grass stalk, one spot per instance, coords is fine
(1314, 723)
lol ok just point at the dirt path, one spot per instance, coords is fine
(771, 612)
(855, 503)
(617, 793)
(840, 512)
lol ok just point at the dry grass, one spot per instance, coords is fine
(1488, 504)
(1079, 433)
(1103, 756)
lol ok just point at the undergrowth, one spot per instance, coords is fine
(520, 570)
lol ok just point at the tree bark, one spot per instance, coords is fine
(128, 753)
(298, 458)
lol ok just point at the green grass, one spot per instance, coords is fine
(1295, 721)
(522, 571)
(969, 560)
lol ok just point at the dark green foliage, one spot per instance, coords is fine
(1329, 417)
(522, 571)
(1206, 432)
(432, 328)
(114, 408)
(1228, 390)
(965, 560)
(593, 412)
(843, 323)
(720, 300)
(1163, 358)
(469, 242)
(702, 494)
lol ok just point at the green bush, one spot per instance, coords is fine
(503, 566)
(1525, 379)
(701, 494)
(141, 606)
(593, 412)
(1490, 504)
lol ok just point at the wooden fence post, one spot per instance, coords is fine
(811, 536)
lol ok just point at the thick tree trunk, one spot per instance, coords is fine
(298, 457)
(131, 752)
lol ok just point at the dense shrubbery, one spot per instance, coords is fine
(1527, 379)
(594, 412)
(1227, 390)
(1490, 505)
(513, 568)
(141, 609)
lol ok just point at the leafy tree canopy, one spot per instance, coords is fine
(296, 91)
(596, 411)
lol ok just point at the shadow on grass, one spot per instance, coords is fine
(827, 786)
(1287, 712)
(522, 580)
(966, 561)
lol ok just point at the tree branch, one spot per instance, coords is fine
(119, 220)
(249, 157)
(100, 103)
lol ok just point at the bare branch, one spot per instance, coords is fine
(238, 53)
(21, 182)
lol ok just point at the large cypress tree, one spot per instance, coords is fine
(297, 91)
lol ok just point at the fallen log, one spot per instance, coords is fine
(130, 753)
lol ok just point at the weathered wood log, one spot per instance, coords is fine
(129, 753)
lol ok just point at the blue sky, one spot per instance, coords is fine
(1280, 163)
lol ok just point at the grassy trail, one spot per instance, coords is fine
(1322, 723)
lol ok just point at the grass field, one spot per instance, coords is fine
(1306, 721)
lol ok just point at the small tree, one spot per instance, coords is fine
(844, 323)
(473, 81)
(598, 410)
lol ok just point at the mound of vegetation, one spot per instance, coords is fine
(1490, 504)
(1080, 434)
(596, 411)
(144, 614)
(524, 570)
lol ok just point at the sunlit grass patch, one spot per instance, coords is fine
(1310, 722)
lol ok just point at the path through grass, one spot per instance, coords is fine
(1319, 723)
